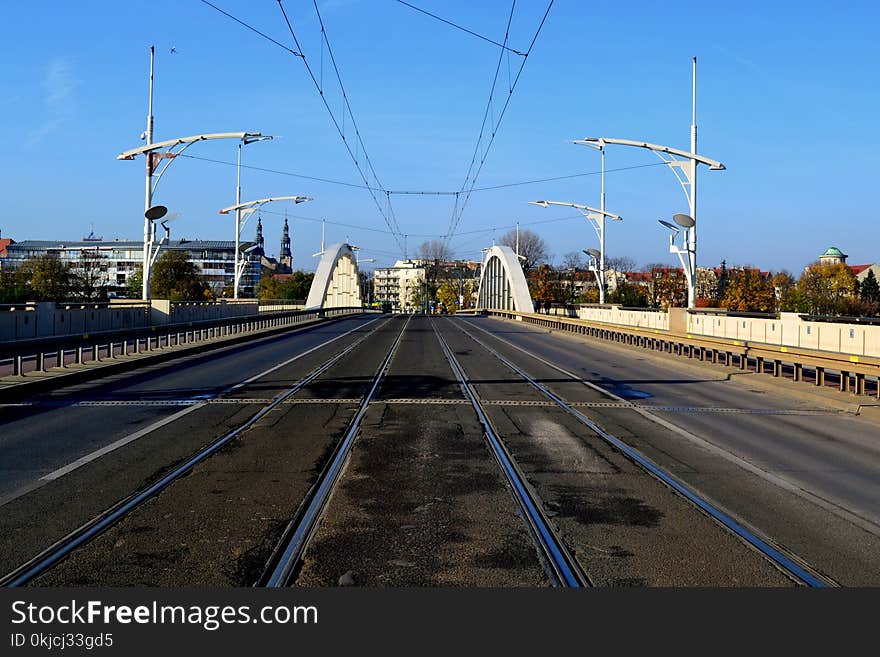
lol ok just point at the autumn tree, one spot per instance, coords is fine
(748, 291)
(176, 277)
(828, 289)
(544, 285)
(447, 294)
(45, 278)
(668, 287)
(532, 247)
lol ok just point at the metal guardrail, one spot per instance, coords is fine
(38, 356)
(853, 370)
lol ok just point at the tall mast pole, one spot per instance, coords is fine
(236, 277)
(692, 247)
(148, 191)
(602, 232)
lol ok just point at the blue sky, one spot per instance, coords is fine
(787, 99)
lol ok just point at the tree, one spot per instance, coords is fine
(747, 291)
(48, 279)
(267, 288)
(828, 289)
(627, 294)
(723, 281)
(572, 260)
(668, 288)
(434, 250)
(870, 289)
(296, 286)
(177, 278)
(531, 246)
(544, 285)
(134, 283)
(620, 264)
(447, 294)
(90, 279)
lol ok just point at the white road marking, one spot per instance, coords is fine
(98, 453)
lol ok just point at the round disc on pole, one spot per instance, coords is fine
(683, 220)
(156, 212)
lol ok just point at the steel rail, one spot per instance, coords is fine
(562, 566)
(100, 523)
(282, 566)
(790, 564)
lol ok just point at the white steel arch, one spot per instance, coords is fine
(503, 284)
(336, 283)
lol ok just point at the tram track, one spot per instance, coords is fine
(281, 569)
(559, 562)
(792, 565)
(100, 523)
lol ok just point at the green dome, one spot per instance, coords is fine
(833, 252)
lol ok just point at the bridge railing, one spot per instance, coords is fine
(35, 356)
(851, 369)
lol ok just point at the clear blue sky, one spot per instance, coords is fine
(787, 99)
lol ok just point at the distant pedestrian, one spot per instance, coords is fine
(547, 307)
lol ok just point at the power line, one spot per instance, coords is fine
(416, 192)
(463, 29)
(386, 216)
(284, 173)
(461, 204)
(253, 29)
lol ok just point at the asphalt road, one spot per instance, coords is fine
(421, 501)
(779, 457)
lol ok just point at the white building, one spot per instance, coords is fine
(114, 261)
(397, 285)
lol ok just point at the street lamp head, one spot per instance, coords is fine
(675, 229)
(684, 220)
(717, 167)
(543, 204)
(593, 142)
(593, 253)
(156, 212)
(302, 199)
(251, 137)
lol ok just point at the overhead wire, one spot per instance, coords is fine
(340, 130)
(461, 203)
(463, 29)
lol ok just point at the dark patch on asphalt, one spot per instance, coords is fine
(510, 554)
(607, 509)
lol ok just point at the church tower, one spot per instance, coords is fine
(260, 250)
(285, 260)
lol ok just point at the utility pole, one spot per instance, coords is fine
(692, 197)
(149, 228)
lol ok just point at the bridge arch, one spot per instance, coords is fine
(336, 283)
(503, 284)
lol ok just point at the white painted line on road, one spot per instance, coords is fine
(98, 453)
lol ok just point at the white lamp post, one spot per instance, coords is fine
(153, 159)
(597, 220)
(243, 212)
(684, 165)
(688, 262)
